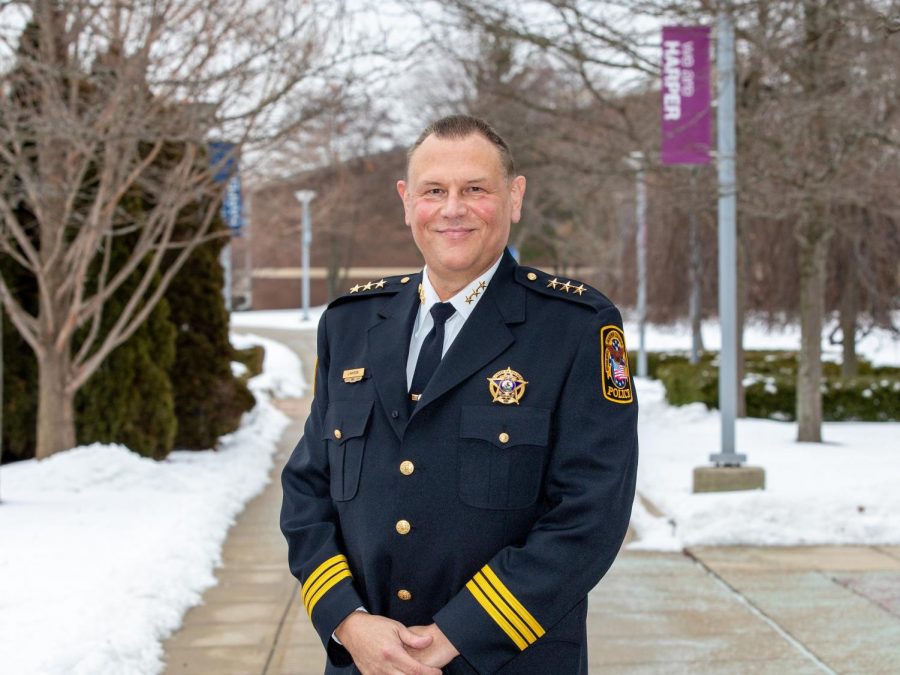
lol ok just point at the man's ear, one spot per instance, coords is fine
(517, 195)
(401, 190)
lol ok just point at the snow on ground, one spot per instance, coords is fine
(102, 551)
(843, 491)
(879, 346)
(277, 318)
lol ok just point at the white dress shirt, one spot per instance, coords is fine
(463, 302)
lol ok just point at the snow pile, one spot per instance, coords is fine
(843, 491)
(102, 551)
(282, 375)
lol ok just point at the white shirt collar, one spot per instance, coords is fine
(463, 302)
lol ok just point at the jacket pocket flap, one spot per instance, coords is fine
(345, 420)
(506, 426)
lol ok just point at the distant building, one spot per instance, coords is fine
(358, 234)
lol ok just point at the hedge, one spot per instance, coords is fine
(770, 387)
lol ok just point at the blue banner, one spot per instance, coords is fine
(224, 162)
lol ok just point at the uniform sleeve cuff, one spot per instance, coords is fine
(476, 636)
(327, 614)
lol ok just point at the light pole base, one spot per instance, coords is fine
(729, 478)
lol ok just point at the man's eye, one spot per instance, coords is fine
(476, 188)
(434, 191)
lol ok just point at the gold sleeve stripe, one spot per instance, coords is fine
(319, 572)
(511, 599)
(499, 603)
(496, 616)
(322, 580)
(327, 587)
(315, 370)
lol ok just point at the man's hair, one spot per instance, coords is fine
(462, 126)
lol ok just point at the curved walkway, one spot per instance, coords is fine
(710, 610)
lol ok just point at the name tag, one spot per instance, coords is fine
(354, 374)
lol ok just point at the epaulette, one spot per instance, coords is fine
(556, 287)
(383, 286)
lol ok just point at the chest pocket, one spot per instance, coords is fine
(344, 431)
(501, 455)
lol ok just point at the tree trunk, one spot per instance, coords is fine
(56, 405)
(813, 254)
(849, 308)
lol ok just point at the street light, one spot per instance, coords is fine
(305, 197)
(636, 162)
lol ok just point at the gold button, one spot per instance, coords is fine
(404, 280)
(532, 276)
(504, 437)
(403, 526)
(407, 467)
(404, 594)
(338, 434)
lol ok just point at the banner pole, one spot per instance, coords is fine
(725, 114)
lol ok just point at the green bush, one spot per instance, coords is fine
(252, 358)
(209, 400)
(129, 399)
(20, 389)
(656, 360)
(770, 388)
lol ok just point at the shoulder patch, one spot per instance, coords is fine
(614, 375)
(561, 287)
(383, 286)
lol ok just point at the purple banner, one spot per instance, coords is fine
(685, 95)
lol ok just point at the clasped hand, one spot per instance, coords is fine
(382, 646)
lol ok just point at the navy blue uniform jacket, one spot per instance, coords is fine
(512, 511)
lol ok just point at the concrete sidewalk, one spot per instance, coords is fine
(710, 610)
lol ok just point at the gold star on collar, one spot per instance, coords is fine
(421, 294)
(579, 289)
(475, 292)
(355, 289)
(566, 286)
(553, 283)
(381, 284)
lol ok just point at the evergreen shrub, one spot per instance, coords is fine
(252, 358)
(209, 399)
(129, 399)
(770, 388)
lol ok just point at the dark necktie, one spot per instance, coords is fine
(430, 354)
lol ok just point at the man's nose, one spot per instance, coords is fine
(454, 206)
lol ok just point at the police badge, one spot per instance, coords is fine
(506, 386)
(615, 377)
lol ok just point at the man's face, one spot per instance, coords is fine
(459, 205)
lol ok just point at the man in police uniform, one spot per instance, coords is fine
(467, 470)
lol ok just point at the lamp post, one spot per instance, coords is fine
(636, 162)
(305, 197)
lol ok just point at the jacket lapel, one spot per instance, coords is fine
(483, 337)
(388, 348)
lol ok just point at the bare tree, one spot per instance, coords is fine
(107, 101)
